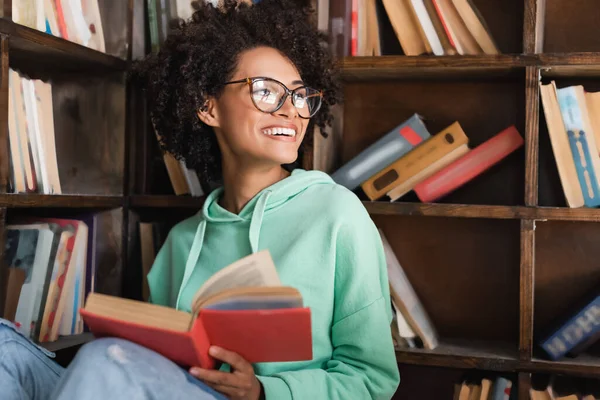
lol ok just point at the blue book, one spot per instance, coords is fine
(382, 153)
(575, 333)
(582, 143)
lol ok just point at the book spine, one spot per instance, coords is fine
(415, 161)
(471, 165)
(579, 142)
(382, 153)
(584, 324)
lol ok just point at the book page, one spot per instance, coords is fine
(254, 270)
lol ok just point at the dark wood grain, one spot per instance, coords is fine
(28, 200)
(449, 210)
(571, 25)
(33, 51)
(533, 26)
(526, 296)
(523, 386)
(493, 356)
(532, 94)
(584, 365)
(4, 145)
(89, 121)
(483, 109)
(389, 67)
(465, 272)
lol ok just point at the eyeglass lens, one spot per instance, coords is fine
(269, 95)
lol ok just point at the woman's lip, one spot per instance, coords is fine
(281, 138)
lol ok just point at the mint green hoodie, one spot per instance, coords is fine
(324, 243)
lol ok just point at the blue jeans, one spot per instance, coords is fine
(107, 368)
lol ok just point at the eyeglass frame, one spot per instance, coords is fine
(288, 92)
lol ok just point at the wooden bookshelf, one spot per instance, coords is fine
(487, 261)
(496, 260)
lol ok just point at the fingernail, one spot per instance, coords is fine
(194, 371)
(213, 351)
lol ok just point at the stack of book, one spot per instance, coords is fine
(573, 120)
(78, 21)
(438, 27)
(486, 388)
(50, 271)
(33, 160)
(409, 158)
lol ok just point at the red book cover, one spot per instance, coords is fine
(257, 335)
(469, 166)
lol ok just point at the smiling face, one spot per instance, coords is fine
(246, 135)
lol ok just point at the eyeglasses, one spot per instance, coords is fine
(269, 95)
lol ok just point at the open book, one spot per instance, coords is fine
(243, 308)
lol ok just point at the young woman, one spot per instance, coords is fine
(233, 92)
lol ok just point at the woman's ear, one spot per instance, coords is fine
(208, 113)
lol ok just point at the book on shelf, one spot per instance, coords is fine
(421, 27)
(77, 21)
(32, 149)
(384, 151)
(486, 387)
(52, 263)
(432, 166)
(571, 333)
(413, 322)
(409, 168)
(243, 308)
(573, 120)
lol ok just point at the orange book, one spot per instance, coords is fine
(262, 323)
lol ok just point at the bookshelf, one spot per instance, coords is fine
(487, 261)
(496, 260)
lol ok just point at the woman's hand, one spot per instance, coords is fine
(240, 384)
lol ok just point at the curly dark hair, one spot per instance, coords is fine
(201, 54)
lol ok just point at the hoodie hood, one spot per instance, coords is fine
(267, 200)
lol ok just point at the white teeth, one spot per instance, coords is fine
(279, 131)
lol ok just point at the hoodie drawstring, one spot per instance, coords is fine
(253, 236)
(256, 220)
(192, 259)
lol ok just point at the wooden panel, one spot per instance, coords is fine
(526, 289)
(34, 52)
(533, 29)
(571, 25)
(89, 119)
(42, 200)
(465, 272)
(483, 109)
(532, 105)
(401, 67)
(467, 354)
(566, 268)
(550, 188)
(4, 146)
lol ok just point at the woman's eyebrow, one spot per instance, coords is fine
(300, 82)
